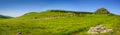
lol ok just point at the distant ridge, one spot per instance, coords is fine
(61, 13)
(4, 17)
(64, 11)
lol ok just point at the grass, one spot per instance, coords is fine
(71, 24)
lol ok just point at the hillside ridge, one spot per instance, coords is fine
(4, 17)
(61, 13)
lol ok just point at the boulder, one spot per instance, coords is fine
(99, 29)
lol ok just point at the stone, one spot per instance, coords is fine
(99, 29)
(19, 33)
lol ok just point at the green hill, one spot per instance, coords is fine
(58, 22)
(4, 17)
(53, 13)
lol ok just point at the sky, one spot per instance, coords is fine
(17, 8)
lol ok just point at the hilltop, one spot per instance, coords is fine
(63, 13)
(59, 22)
(53, 13)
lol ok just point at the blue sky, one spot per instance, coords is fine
(19, 7)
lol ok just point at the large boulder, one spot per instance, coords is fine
(99, 29)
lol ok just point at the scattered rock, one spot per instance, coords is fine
(99, 29)
(19, 33)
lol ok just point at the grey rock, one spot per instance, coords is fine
(99, 29)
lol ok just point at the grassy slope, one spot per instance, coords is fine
(57, 23)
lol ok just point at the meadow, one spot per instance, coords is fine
(58, 23)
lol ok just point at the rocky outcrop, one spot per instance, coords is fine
(99, 29)
(102, 11)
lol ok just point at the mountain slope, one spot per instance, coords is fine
(58, 22)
